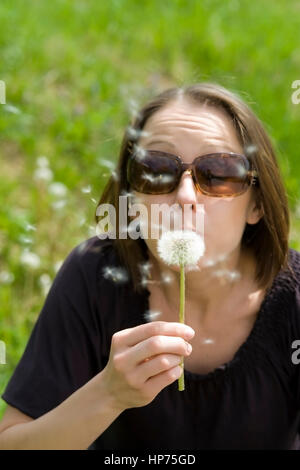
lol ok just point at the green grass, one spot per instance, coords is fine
(73, 73)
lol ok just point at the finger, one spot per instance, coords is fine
(156, 345)
(156, 383)
(133, 336)
(156, 365)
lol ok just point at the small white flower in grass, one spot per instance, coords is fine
(44, 174)
(45, 282)
(57, 189)
(181, 248)
(42, 161)
(6, 277)
(58, 265)
(32, 260)
(86, 189)
(29, 227)
(58, 205)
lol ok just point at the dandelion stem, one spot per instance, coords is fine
(181, 320)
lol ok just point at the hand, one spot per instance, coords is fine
(143, 360)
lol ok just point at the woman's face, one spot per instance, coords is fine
(190, 130)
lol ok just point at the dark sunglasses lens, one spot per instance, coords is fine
(222, 175)
(153, 173)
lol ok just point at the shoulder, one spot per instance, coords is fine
(94, 259)
(294, 262)
(291, 277)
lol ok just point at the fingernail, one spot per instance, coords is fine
(188, 348)
(189, 333)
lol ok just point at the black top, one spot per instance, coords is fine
(251, 402)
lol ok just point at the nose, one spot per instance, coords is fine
(186, 191)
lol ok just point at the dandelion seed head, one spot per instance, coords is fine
(180, 247)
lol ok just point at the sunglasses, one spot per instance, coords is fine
(215, 174)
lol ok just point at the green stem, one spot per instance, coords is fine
(181, 320)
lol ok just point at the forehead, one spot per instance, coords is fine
(181, 122)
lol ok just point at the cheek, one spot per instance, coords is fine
(224, 223)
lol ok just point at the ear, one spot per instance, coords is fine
(255, 213)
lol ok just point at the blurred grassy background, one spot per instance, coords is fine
(74, 73)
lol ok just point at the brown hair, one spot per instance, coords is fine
(268, 239)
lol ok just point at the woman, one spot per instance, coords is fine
(100, 369)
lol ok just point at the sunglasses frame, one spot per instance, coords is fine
(251, 177)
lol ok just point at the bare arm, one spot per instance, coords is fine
(143, 360)
(73, 425)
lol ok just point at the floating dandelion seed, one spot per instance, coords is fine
(157, 179)
(82, 246)
(115, 274)
(166, 278)
(181, 248)
(139, 152)
(135, 134)
(25, 240)
(250, 150)
(228, 275)
(152, 315)
(86, 189)
(208, 341)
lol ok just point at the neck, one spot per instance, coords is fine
(207, 289)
